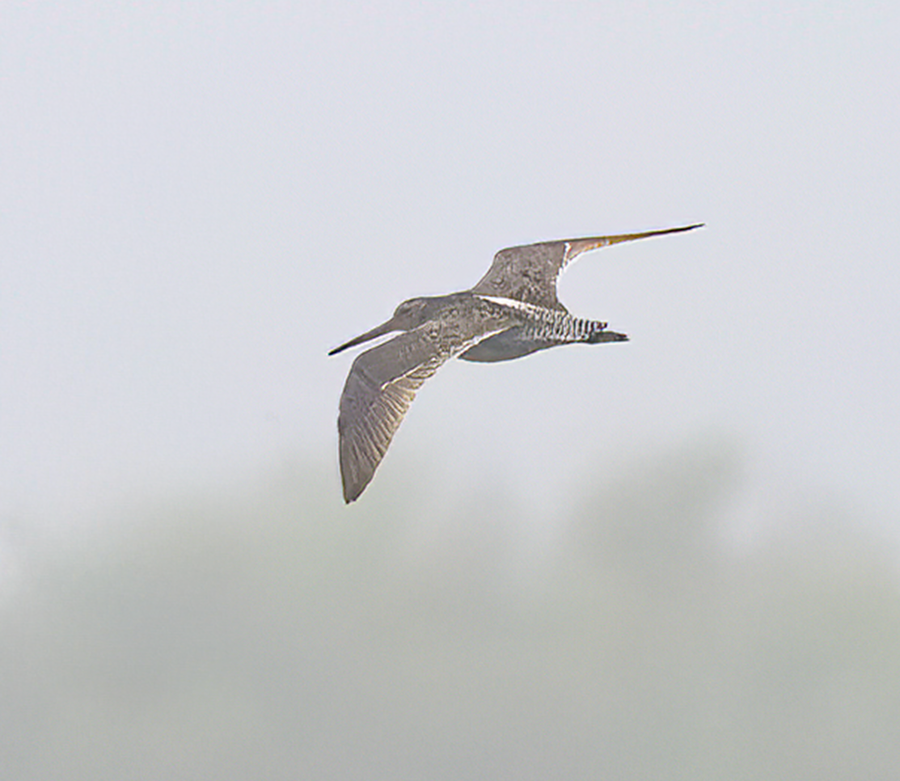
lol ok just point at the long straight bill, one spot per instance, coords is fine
(384, 328)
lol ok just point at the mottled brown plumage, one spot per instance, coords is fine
(511, 312)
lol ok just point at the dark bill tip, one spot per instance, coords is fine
(380, 330)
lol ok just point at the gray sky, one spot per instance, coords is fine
(199, 200)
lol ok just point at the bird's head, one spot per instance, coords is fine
(410, 314)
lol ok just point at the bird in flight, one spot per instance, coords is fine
(511, 312)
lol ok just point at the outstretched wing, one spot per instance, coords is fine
(380, 387)
(530, 273)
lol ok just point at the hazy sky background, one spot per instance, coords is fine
(649, 560)
(198, 200)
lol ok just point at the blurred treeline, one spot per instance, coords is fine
(267, 631)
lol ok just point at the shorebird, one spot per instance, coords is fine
(511, 312)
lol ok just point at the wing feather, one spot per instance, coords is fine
(379, 390)
(529, 273)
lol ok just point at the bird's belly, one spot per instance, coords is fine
(505, 346)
